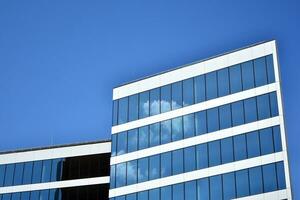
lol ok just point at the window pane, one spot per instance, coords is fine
(17, 196)
(133, 107)
(143, 195)
(266, 141)
(188, 92)
(26, 196)
(237, 113)
(44, 195)
(178, 192)
(270, 69)
(131, 197)
(176, 95)
(120, 198)
(242, 183)
(223, 82)
(177, 162)
(154, 171)
(212, 120)
(277, 139)
(155, 101)
(166, 193)
(202, 156)
(240, 149)
(18, 176)
(6, 197)
(177, 133)
(144, 104)
(228, 186)
(253, 148)
(255, 176)
(154, 194)
(166, 164)
(199, 88)
(46, 171)
(132, 140)
(143, 137)
(112, 176)
(122, 143)
(225, 116)
(248, 75)
(121, 174)
(114, 145)
(189, 159)
(154, 134)
(274, 105)
(280, 175)
(200, 122)
(189, 125)
(235, 78)
(34, 195)
(56, 170)
(123, 110)
(216, 187)
(165, 132)
(115, 112)
(9, 174)
(131, 172)
(260, 72)
(190, 190)
(250, 110)
(227, 150)
(269, 175)
(2, 173)
(203, 189)
(165, 103)
(211, 85)
(263, 106)
(214, 153)
(143, 173)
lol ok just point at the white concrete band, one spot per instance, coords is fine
(276, 195)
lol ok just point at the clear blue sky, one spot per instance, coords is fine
(60, 59)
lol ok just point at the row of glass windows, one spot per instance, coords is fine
(92, 192)
(215, 84)
(222, 117)
(240, 147)
(232, 185)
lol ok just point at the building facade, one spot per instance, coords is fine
(73, 172)
(210, 130)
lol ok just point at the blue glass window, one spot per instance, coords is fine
(253, 148)
(154, 194)
(214, 153)
(27, 172)
(177, 161)
(154, 171)
(2, 174)
(250, 110)
(112, 176)
(17, 196)
(212, 120)
(199, 88)
(131, 172)
(269, 176)
(228, 186)
(166, 164)
(132, 140)
(120, 198)
(178, 192)
(6, 196)
(203, 189)
(190, 190)
(34, 195)
(143, 195)
(216, 192)
(200, 123)
(143, 137)
(270, 69)
(18, 176)
(9, 174)
(237, 113)
(44, 195)
(189, 159)
(266, 141)
(227, 150)
(133, 107)
(277, 139)
(202, 156)
(240, 148)
(255, 178)
(211, 85)
(248, 75)
(223, 82)
(165, 132)
(121, 174)
(177, 133)
(280, 175)
(260, 71)
(144, 104)
(114, 145)
(46, 171)
(56, 169)
(242, 183)
(188, 125)
(143, 172)
(166, 193)
(26, 196)
(155, 101)
(122, 143)
(263, 106)
(165, 102)
(235, 78)
(131, 197)
(225, 116)
(274, 105)
(123, 110)
(176, 95)
(188, 92)
(154, 134)
(115, 112)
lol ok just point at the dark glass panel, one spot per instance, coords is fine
(166, 193)
(17, 196)
(229, 186)
(34, 195)
(225, 116)
(154, 194)
(115, 112)
(214, 153)
(114, 145)
(188, 92)
(123, 110)
(203, 189)
(131, 197)
(54, 194)
(18, 176)
(133, 107)
(270, 69)
(120, 174)
(260, 71)
(178, 192)
(56, 172)
(165, 103)
(242, 183)
(165, 132)
(235, 78)
(44, 194)
(223, 82)
(227, 150)
(26, 196)
(263, 106)
(216, 192)
(155, 101)
(280, 176)
(177, 161)
(9, 174)
(6, 197)
(247, 75)
(46, 171)
(253, 145)
(177, 133)
(112, 176)
(143, 171)
(269, 177)
(211, 85)
(176, 95)
(255, 178)
(212, 120)
(166, 164)
(237, 113)
(200, 123)
(120, 198)
(143, 195)
(189, 159)
(27, 172)
(144, 104)
(199, 88)
(202, 156)
(143, 137)
(277, 139)
(122, 143)
(131, 172)
(154, 171)
(240, 147)
(132, 140)
(2, 174)
(274, 104)
(154, 134)
(190, 190)
(250, 110)
(266, 141)
(189, 125)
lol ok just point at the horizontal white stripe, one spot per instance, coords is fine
(196, 140)
(196, 69)
(276, 195)
(196, 107)
(60, 152)
(198, 174)
(53, 185)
